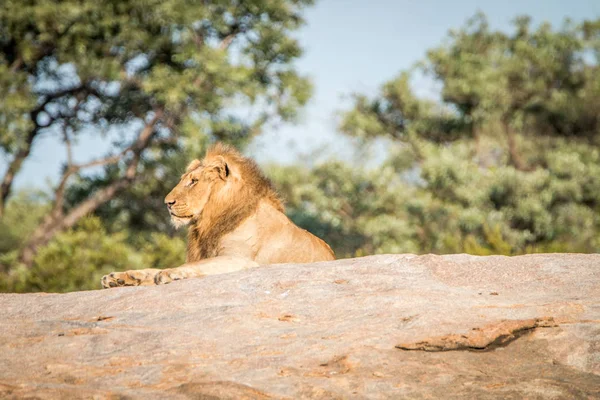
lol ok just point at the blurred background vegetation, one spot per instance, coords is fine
(506, 161)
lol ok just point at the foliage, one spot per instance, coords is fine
(356, 212)
(24, 211)
(151, 76)
(77, 258)
(119, 59)
(508, 159)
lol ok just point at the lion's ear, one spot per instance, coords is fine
(193, 165)
(219, 165)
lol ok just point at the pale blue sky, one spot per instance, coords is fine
(350, 46)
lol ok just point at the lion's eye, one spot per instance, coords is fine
(193, 182)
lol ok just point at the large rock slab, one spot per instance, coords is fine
(389, 326)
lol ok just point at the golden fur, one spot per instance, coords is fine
(223, 212)
(236, 221)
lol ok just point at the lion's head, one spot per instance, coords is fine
(223, 182)
(188, 199)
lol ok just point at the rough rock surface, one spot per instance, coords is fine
(389, 326)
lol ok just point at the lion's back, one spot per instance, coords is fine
(288, 243)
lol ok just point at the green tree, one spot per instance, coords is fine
(357, 212)
(163, 74)
(507, 159)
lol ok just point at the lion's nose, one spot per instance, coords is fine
(170, 203)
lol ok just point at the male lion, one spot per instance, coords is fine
(235, 219)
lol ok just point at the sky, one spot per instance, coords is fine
(350, 46)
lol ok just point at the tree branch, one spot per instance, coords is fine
(223, 45)
(226, 42)
(16, 64)
(56, 221)
(68, 146)
(20, 156)
(45, 49)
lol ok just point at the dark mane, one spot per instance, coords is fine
(221, 218)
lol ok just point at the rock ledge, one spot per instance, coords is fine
(388, 326)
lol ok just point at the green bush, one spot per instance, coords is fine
(78, 258)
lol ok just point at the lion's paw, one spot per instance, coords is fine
(142, 277)
(115, 279)
(172, 274)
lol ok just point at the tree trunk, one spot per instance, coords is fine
(13, 168)
(514, 156)
(477, 152)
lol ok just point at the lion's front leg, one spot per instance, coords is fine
(209, 266)
(136, 277)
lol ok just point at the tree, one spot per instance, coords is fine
(357, 212)
(507, 159)
(161, 73)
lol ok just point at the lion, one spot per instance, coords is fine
(236, 221)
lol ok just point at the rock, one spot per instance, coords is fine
(389, 326)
